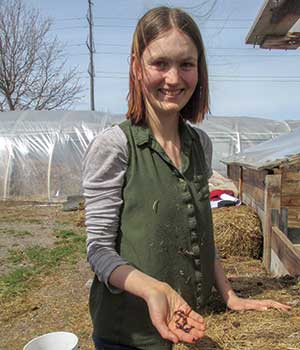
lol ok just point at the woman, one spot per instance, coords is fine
(150, 235)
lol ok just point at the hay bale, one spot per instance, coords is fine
(237, 232)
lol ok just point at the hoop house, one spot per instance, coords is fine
(41, 152)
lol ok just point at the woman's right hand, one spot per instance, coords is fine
(172, 316)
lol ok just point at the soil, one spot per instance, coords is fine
(58, 301)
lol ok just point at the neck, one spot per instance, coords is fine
(164, 128)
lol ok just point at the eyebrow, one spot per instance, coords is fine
(189, 58)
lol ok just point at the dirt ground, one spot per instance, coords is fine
(58, 299)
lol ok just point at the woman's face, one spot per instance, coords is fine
(169, 72)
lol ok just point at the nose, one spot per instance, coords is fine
(172, 75)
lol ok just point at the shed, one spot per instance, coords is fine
(268, 179)
(277, 25)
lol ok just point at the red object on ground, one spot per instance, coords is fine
(215, 194)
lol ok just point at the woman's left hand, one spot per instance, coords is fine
(238, 304)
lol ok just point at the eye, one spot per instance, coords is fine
(160, 65)
(187, 65)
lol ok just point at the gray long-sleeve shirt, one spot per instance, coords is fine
(104, 168)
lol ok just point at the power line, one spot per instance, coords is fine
(215, 78)
(209, 55)
(247, 76)
(136, 19)
(123, 26)
(207, 48)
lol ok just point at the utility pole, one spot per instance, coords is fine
(91, 48)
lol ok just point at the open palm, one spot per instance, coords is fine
(173, 317)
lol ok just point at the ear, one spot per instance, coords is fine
(136, 68)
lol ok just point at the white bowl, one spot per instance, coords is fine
(53, 341)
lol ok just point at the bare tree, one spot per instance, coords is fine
(32, 64)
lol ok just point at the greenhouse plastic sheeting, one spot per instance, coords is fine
(270, 153)
(232, 135)
(41, 151)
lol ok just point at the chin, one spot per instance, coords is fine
(170, 105)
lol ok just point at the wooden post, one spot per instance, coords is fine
(275, 219)
(283, 222)
(272, 201)
(241, 184)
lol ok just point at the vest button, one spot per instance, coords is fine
(199, 288)
(198, 276)
(197, 186)
(194, 236)
(199, 300)
(196, 249)
(197, 262)
(192, 223)
(186, 197)
(184, 187)
(190, 210)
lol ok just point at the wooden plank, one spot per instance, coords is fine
(275, 217)
(291, 187)
(277, 269)
(286, 251)
(272, 200)
(290, 176)
(294, 217)
(255, 177)
(265, 23)
(283, 220)
(251, 203)
(257, 194)
(233, 172)
(290, 200)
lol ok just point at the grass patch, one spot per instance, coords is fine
(32, 221)
(16, 281)
(15, 256)
(38, 260)
(15, 233)
(65, 234)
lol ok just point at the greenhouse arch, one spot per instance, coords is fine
(41, 151)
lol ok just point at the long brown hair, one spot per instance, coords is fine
(155, 22)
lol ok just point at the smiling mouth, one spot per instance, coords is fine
(171, 93)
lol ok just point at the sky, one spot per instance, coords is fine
(244, 81)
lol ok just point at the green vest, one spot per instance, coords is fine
(165, 231)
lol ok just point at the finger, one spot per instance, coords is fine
(165, 332)
(190, 331)
(195, 316)
(279, 306)
(190, 337)
(196, 324)
(264, 305)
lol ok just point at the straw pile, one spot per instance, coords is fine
(237, 232)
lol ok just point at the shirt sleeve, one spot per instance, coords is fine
(104, 167)
(207, 149)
